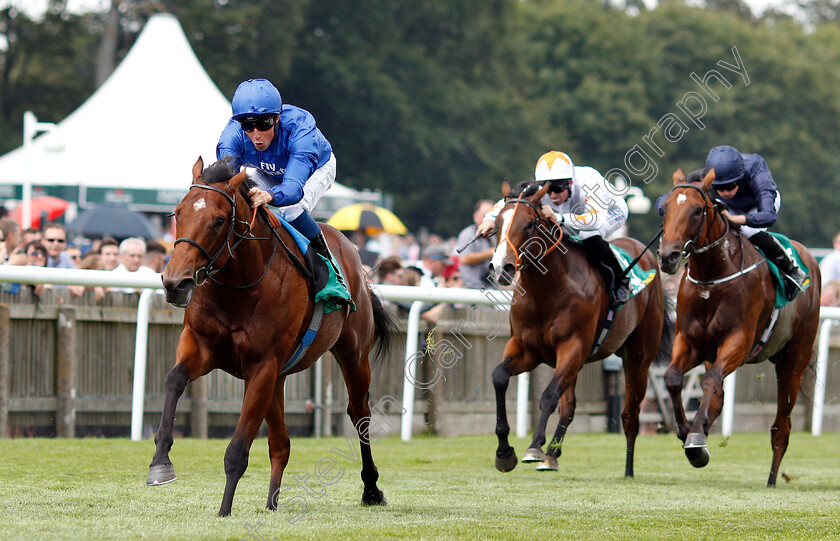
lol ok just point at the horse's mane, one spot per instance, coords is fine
(222, 171)
(698, 175)
(525, 188)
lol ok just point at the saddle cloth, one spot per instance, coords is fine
(778, 276)
(332, 293)
(639, 277)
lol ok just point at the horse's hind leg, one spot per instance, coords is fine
(791, 363)
(278, 443)
(357, 379)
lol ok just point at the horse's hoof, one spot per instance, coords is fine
(694, 440)
(373, 497)
(161, 475)
(506, 460)
(697, 456)
(533, 454)
(549, 463)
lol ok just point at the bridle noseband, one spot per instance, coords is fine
(540, 219)
(208, 270)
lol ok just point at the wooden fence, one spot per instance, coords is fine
(66, 369)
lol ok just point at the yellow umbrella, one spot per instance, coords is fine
(370, 218)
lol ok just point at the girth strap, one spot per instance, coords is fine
(308, 337)
(765, 336)
(602, 335)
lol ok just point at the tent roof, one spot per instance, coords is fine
(143, 128)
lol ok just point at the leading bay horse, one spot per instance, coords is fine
(558, 307)
(724, 309)
(247, 318)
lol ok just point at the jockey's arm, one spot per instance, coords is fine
(488, 224)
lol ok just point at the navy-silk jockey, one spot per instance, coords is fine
(756, 196)
(744, 185)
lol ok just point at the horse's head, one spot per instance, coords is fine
(688, 214)
(205, 221)
(517, 228)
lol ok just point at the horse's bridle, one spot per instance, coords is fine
(208, 270)
(690, 246)
(540, 219)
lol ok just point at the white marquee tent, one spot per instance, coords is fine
(135, 140)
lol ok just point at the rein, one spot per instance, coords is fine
(206, 272)
(540, 219)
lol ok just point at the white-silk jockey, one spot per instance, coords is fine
(591, 207)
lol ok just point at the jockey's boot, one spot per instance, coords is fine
(319, 244)
(600, 251)
(776, 253)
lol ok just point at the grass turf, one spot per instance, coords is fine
(437, 488)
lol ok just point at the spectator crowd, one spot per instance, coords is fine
(50, 247)
(426, 260)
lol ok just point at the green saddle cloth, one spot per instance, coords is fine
(333, 292)
(639, 277)
(778, 277)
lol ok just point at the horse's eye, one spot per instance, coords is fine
(220, 221)
(696, 212)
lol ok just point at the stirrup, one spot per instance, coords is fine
(620, 292)
(799, 279)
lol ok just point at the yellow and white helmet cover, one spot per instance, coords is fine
(554, 165)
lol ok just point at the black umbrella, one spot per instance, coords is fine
(118, 222)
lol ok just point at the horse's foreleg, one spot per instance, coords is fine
(259, 393)
(569, 359)
(566, 412)
(191, 363)
(278, 443)
(683, 359)
(513, 362)
(161, 470)
(730, 354)
(357, 380)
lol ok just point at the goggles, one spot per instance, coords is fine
(559, 186)
(728, 187)
(264, 123)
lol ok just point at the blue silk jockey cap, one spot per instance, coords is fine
(256, 97)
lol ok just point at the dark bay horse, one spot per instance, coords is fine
(724, 307)
(558, 307)
(247, 318)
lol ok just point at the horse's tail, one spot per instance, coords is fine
(385, 327)
(669, 331)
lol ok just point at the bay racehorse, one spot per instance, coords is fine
(252, 309)
(725, 307)
(559, 305)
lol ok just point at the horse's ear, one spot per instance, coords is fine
(237, 180)
(505, 187)
(541, 192)
(679, 177)
(709, 178)
(198, 167)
